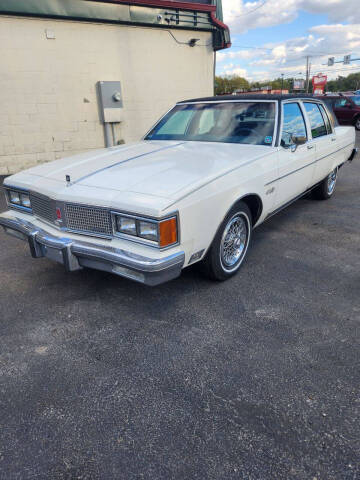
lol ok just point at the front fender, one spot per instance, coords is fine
(202, 213)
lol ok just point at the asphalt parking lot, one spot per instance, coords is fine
(255, 378)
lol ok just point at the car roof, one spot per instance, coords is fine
(338, 95)
(252, 96)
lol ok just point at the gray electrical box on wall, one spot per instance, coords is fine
(110, 101)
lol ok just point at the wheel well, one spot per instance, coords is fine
(356, 117)
(255, 205)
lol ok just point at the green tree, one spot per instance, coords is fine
(229, 84)
(342, 84)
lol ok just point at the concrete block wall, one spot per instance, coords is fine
(48, 102)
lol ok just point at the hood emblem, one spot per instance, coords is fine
(68, 180)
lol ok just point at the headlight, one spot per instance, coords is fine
(14, 197)
(126, 225)
(148, 230)
(25, 200)
(161, 233)
(18, 198)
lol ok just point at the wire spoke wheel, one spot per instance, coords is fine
(234, 242)
(331, 181)
(229, 247)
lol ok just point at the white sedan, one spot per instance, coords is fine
(193, 189)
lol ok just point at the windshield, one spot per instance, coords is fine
(229, 122)
(356, 99)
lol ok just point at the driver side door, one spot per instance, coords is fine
(296, 164)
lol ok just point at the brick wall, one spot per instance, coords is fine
(48, 104)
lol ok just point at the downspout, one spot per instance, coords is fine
(214, 71)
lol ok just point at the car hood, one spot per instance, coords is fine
(149, 169)
(161, 168)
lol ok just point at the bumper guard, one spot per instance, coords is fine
(75, 255)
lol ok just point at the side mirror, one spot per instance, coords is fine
(298, 140)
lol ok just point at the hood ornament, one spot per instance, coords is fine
(68, 180)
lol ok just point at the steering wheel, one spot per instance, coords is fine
(244, 132)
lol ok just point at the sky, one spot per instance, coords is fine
(273, 37)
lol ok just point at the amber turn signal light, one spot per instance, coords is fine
(168, 232)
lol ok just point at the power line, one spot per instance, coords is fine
(341, 70)
(251, 11)
(295, 74)
(311, 53)
(317, 67)
(307, 68)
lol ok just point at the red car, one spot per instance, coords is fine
(346, 108)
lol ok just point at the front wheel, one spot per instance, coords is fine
(229, 248)
(325, 190)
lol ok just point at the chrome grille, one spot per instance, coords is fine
(43, 207)
(88, 219)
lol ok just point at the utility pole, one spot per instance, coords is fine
(282, 83)
(308, 66)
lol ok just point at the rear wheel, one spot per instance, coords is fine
(229, 248)
(325, 190)
(357, 123)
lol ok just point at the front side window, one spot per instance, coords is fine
(318, 128)
(293, 124)
(247, 122)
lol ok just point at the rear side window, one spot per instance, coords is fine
(330, 111)
(293, 124)
(318, 127)
(326, 118)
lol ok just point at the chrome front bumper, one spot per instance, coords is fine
(75, 255)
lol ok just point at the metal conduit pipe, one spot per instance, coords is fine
(108, 135)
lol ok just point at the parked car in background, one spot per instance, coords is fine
(209, 172)
(346, 108)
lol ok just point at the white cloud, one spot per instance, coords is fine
(337, 10)
(240, 54)
(339, 38)
(288, 57)
(272, 59)
(279, 52)
(243, 15)
(233, 70)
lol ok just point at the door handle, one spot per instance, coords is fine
(333, 139)
(309, 147)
